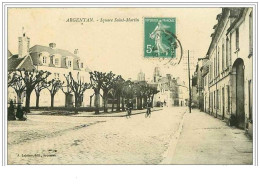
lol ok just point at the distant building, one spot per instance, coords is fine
(141, 76)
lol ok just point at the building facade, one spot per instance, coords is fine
(230, 64)
(59, 62)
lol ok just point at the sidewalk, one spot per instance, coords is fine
(207, 140)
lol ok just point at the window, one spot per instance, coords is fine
(223, 57)
(218, 62)
(250, 98)
(250, 33)
(228, 99)
(227, 52)
(217, 99)
(214, 100)
(69, 63)
(56, 61)
(237, 38)
(81, 65)
(44, 59)
(214, 67)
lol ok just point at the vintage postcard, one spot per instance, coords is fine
(130, 85)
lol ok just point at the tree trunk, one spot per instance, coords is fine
(76, 103)
(19, 97)
(90, 102)
(52, 100)
(118, 103)
(123, 104)
(145, 101)
(27, 102)
(97, 100)
(152, 100)
(105, 93)
(37, 99)
(113, 103)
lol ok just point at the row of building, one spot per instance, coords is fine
(222, 84)
(172, 90)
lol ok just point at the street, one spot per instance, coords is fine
(165, 138)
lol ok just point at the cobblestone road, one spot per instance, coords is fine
(97, 140)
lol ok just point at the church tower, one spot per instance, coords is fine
(156, 74)
(23, 45)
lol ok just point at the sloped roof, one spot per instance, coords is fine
(13, 62)
(41, 48)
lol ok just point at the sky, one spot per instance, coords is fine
(114, 46)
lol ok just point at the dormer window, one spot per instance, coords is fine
(57, 61)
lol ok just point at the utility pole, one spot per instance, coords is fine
(189, 80)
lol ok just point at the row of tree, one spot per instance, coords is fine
(113, 87)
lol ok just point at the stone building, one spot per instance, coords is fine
(230, 68)
(49, 58)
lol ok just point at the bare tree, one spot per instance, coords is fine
(106, 86)
(31, 79)
(55, 86)
(78, 87)
(67, 90)
(38, 88)
(16, 82)
(96, 79)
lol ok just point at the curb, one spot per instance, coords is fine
(168, 155)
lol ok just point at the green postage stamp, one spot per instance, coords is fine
(159, 37)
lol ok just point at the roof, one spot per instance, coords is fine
(205, 68)
(15, 63)
(236, 20)
(234, 12)
(41, 48)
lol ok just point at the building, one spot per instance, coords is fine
(173, 91)
(230, 64)
(141, 76)
(49, 58)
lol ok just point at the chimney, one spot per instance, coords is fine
(23, 45)
(76, 51)
(52, 45)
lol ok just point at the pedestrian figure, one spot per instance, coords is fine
(20, 113)
(129, 107)
(11, 112)
(148, 108)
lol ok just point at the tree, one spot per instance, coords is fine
(31, 79)
(153, 92)
(127, 92)
(16, 82)
(38, 88)
(67, 90)
(54, 86)
(96, 79)
(116, 90)
(78, 87)
(140, 93)
(106, 86)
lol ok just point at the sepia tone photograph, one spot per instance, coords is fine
(130, 85)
